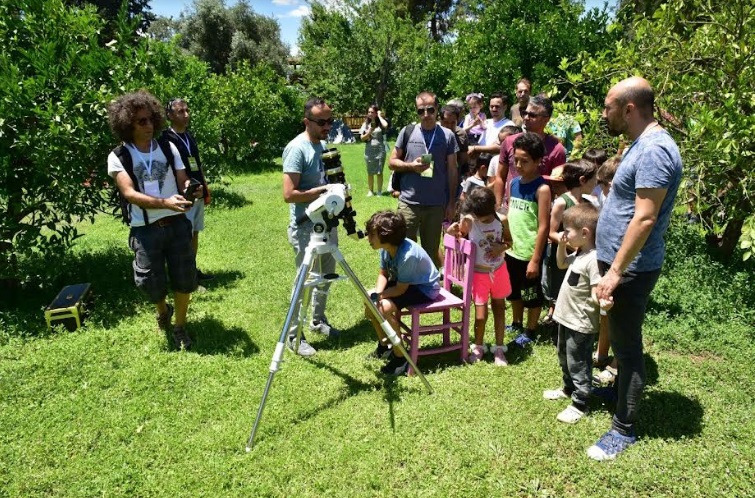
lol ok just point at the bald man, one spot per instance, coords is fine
(630, 245)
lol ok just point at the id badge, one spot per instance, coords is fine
(193, 165)
(152, 188)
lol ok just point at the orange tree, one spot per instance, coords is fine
(700, 58)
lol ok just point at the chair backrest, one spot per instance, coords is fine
(458, 266)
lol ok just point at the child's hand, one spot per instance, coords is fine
(497, 247)
(562, 237)
(454, 229)
(606, 304)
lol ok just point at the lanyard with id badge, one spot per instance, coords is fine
(193, 164)
(151, 187)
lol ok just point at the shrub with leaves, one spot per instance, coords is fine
(54, 82)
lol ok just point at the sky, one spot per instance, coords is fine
(287, 12)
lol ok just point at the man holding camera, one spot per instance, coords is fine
(150, 176)
(178, 134)
(425, 157)
(303, 182)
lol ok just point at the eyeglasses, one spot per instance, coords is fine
(143, 121)
(322, 122)
(422, 110)
(533, 114)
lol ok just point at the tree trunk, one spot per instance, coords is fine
(730, 237)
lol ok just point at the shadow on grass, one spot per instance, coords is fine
(670, 415)
(211, 337)
(356, 334)
(113, 294)
(228, 199)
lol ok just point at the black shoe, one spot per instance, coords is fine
(181, 339)
(381, 352)
(396, 366)
(204, 277)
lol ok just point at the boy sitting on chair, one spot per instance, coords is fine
(407, 277)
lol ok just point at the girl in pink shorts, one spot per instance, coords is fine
(490, 234)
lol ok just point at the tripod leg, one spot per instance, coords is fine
(280, 348)
(389, 332)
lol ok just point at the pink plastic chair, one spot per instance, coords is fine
(458, 268)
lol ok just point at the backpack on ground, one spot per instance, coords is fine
(124, 156)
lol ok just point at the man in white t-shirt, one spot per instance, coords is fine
(160, 233)
(489, 143)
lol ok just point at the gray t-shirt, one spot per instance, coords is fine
(575, 307)
(653, 161)
(427, 191)
(303, 157)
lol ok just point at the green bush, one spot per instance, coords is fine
(54, 82)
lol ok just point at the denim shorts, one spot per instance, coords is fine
(156, 246)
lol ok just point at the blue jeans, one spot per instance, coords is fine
(625, 320)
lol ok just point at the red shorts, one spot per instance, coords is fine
(494, 284)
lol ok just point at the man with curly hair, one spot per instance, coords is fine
(151, 177)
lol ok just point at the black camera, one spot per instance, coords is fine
(331, 160)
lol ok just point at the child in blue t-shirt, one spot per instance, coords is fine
(407, 277)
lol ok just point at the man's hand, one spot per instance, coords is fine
(417, 165)
(177, 203)
(450, 211)
(607, 285)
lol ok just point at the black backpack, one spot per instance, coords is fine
(124, 156)
(396, 177)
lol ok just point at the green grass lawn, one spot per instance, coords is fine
(111, 410)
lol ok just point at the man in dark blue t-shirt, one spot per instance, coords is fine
(630, 244)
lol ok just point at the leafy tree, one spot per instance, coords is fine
(163, 28)
(110, 9)
(54, 82)
(359, 54)
(499, 41)
(224, 37)
(699, 58)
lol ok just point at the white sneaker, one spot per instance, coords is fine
(369, 193)
(500, 358)
(379, 192)
(304, 350)
(555, 394)
(324, 328)
(570, 415)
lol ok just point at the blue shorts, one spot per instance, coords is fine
(412, 297)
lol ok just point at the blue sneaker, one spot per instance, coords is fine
(523, 340)
(610, 445)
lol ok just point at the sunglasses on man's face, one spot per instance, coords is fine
(143, 121)
(422, 110)
(322, 122)
(533, 114)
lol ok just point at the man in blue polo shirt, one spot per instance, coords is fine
(425, 188)
(630, 244)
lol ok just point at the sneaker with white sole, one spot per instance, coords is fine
(305, 350)
(555, 394)
(381, 352)
(570, 415)
(477, 353)
(499, 359)
(397, 365)
(610, 445)
(323, 327)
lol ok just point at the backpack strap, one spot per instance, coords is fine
(124, 156)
